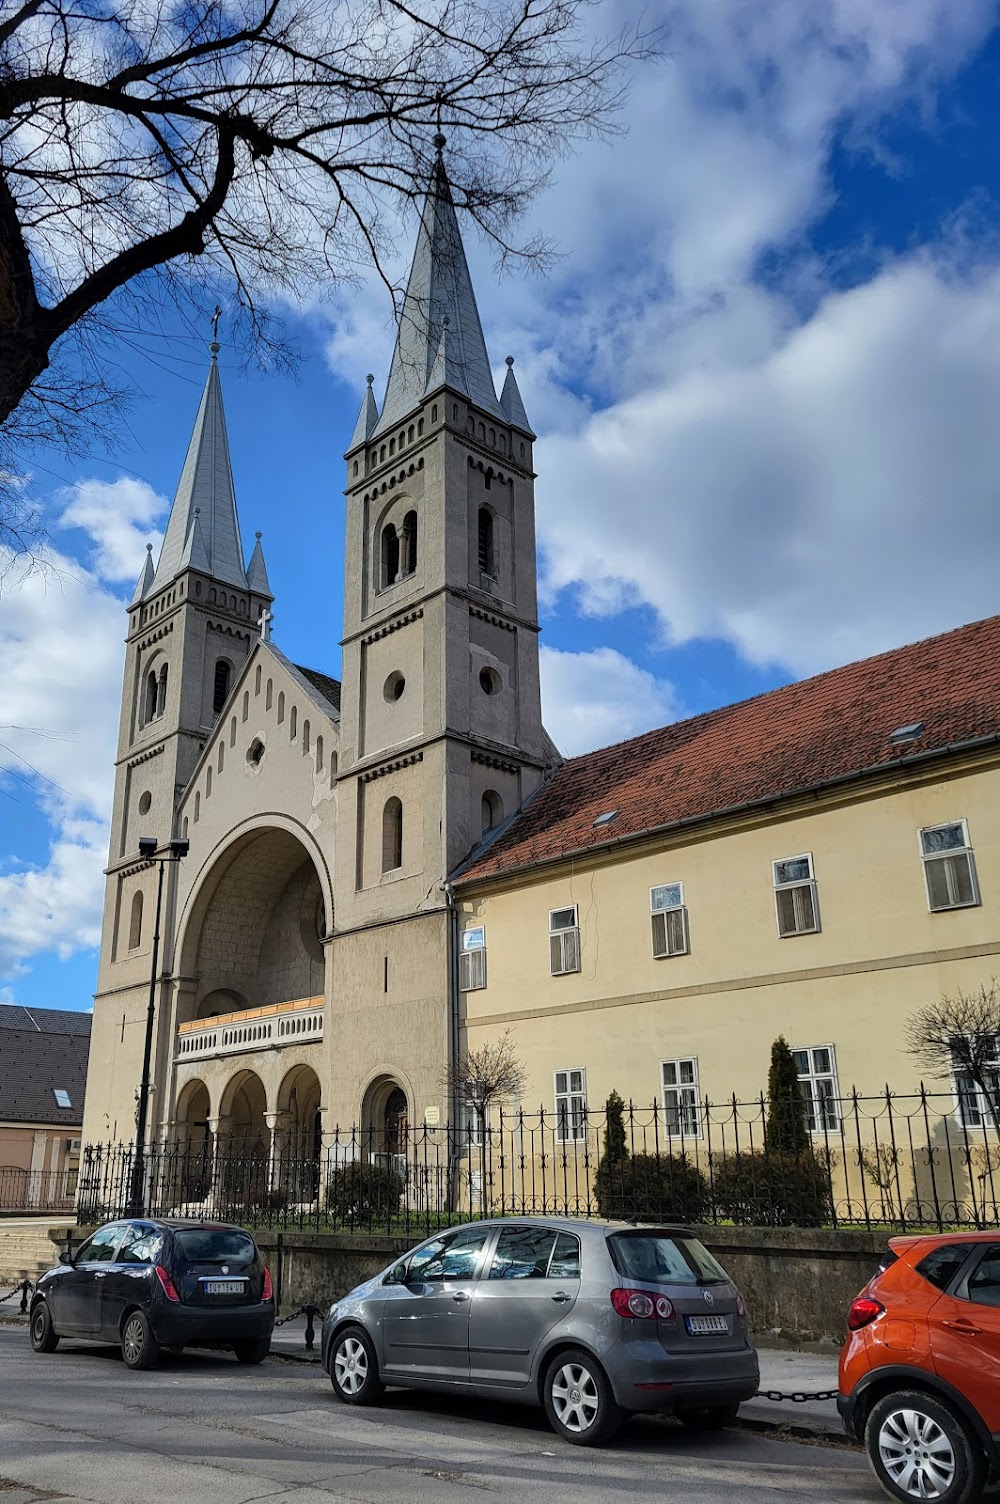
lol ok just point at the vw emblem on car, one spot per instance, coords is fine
(709, 1297)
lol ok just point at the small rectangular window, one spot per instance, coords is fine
(795, 896)
(817, 1068)
(571, 1105)
(973, 1107)
(668, 918)
(949, 867)
(680, 1097)
(472, 960)
(564, 941)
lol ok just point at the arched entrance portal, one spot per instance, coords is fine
(298, 1136)
(194, 1142)
(385, 1119)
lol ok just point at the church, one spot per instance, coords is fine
(388, 871)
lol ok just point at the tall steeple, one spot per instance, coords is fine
(440, 338)
(203, 530)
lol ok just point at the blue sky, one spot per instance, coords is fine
(764, 371)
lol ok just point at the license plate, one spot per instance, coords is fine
(224, 1287)
(703, 1326)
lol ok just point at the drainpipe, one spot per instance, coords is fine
(453, 1042)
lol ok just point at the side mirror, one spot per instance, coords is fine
(396, 1275)
(66, 1258)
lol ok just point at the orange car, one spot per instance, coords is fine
(920, 1370)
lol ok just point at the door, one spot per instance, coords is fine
(532, 1283)
(426, 1317)
(965, 1335)
(127, 1281)
(76, 1309)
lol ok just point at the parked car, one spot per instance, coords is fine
(155, 1283)
(920, 1370)
(593, 1320)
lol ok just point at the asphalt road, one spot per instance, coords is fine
(203, 1430)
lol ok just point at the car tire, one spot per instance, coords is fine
(579, 1401)
(354, 1368)
(708, 1417)
(919, 1448)
(252, 1352)
(41, 1330)
(140, 1348)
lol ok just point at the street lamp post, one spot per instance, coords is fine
(149, 852)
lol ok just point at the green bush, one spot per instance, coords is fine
(363, 1192)
(650, 1188)
(772, 1189)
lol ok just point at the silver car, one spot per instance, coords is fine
(590, 1319)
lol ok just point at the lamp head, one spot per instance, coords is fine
(179, 848)
(147, 847)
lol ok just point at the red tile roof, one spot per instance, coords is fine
(790, 739)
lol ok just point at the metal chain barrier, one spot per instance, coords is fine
(282, 1320)
(797, 1396)
(24, 1287)
(310, 1312)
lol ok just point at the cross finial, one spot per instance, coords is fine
(264, 621)
(216, 316)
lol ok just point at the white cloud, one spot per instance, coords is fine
(593, 698)
(118, 516)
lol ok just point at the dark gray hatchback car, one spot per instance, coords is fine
(590, 1319)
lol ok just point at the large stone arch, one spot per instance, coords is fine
(194, 1140)
(298, 1135)
(251, 929)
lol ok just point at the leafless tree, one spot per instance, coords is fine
(156, 151)
(491, 1073)
(960, 1034)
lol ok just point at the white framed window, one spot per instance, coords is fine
(973, 1108)
(949, 867)
(680, 1097)
(817, 1068)
(669, 920)
(795, 895)
(475, 1127)
(472, 959)
(571, 1105)
(564, 941)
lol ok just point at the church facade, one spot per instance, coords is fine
(307, 951)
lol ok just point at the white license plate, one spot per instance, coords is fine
(703, 1326)
(224, 1287)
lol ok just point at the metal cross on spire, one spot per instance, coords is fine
(264, 621)
(216, 316)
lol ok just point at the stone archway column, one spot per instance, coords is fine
(220, 1128)
(276, 1123)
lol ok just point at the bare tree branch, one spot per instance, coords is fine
(960, 1036)
(492, 1073)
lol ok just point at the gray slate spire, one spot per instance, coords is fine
(367, 417)
(439, 290)
(257, 572)
(510, 401)
(145, 578)
(205, 488)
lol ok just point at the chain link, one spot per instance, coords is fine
(300, 1312)
(797, 1396)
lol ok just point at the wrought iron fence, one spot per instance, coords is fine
(889, 1161)
(37, 1191)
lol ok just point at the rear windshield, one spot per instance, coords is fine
(665, 1258)
(214, 1245)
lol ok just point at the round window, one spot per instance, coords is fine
(145, 800)
(490, 681)
(255, 752)
(394, 686)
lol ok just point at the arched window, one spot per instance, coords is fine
(232, 732)
(268, 694)
(409, 549)
(256, 681)
(293, 723)
(161, 691)
(281, 706)
(390, 555)
(223, 679)
(184, 831)
(492, 810)
(420, 428)
(305, 739)
(197, 808)
(135, 923)
(319, 754)
(208, 784)
(486, 556)
(222, 756)
(246, 704)
(392, 835)
(149, 704)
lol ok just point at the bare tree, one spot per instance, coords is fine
(961, 1034)
(152, 150)
(492, 1073)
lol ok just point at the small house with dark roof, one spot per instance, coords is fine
(43, 1077)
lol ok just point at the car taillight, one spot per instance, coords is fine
(166, 1283)
(267, 1293)
(740, 1304)
(640, 1304)
(863, 1311)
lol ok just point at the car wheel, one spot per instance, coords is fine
(252, 1352)
(920, 1449)
(708, 1417)
(354, 1368)
(579, 1402)
(140, 1348)
(43, 1334)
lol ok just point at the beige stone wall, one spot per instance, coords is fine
(879, 953)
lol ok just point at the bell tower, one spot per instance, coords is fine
(441, 726)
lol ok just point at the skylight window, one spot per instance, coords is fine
(62, 1097)
(606, 818)
(910, 733)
